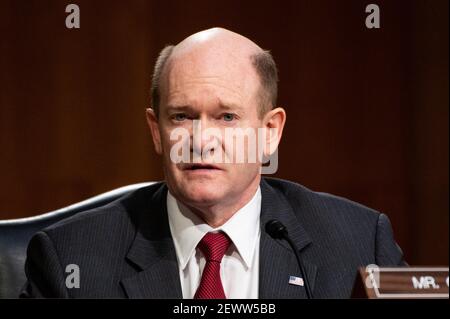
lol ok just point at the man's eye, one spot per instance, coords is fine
(228, 117)
(180, 117)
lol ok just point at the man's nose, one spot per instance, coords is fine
(206, 136)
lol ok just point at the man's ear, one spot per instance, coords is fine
(152, 121)
(273, 121)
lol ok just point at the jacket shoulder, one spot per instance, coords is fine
(106, 223)
(301, 196)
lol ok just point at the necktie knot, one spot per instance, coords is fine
(214, 245)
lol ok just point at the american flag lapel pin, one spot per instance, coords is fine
(296, 281)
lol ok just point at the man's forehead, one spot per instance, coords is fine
(188, 81)
(215, 56)
(215, 63)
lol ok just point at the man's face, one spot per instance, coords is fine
(217, 92)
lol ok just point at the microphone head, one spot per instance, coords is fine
(276, 229)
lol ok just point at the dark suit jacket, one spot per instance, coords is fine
(125, 249)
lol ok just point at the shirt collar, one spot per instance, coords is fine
(188, 229)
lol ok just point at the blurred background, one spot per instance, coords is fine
(367, 108)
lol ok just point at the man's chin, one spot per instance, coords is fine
(202, 196)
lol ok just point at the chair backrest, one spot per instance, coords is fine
(16, 233)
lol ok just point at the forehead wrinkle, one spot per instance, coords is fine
(178, 87)
(223, 103)
(240, 81)
(220, 103)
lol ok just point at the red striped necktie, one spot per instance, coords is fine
(213, 246)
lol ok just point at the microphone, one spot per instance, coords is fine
(277, 230)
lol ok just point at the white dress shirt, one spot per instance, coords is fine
(240, 265)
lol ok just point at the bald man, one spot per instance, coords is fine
(214, 228)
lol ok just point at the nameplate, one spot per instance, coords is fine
(401, 282)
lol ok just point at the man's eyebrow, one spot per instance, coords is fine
(225, 106)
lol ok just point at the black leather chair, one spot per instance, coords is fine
(16, 233)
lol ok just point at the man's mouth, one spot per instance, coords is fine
(200, 167)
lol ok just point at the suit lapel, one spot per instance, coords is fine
(153, 252)
(277, 261)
